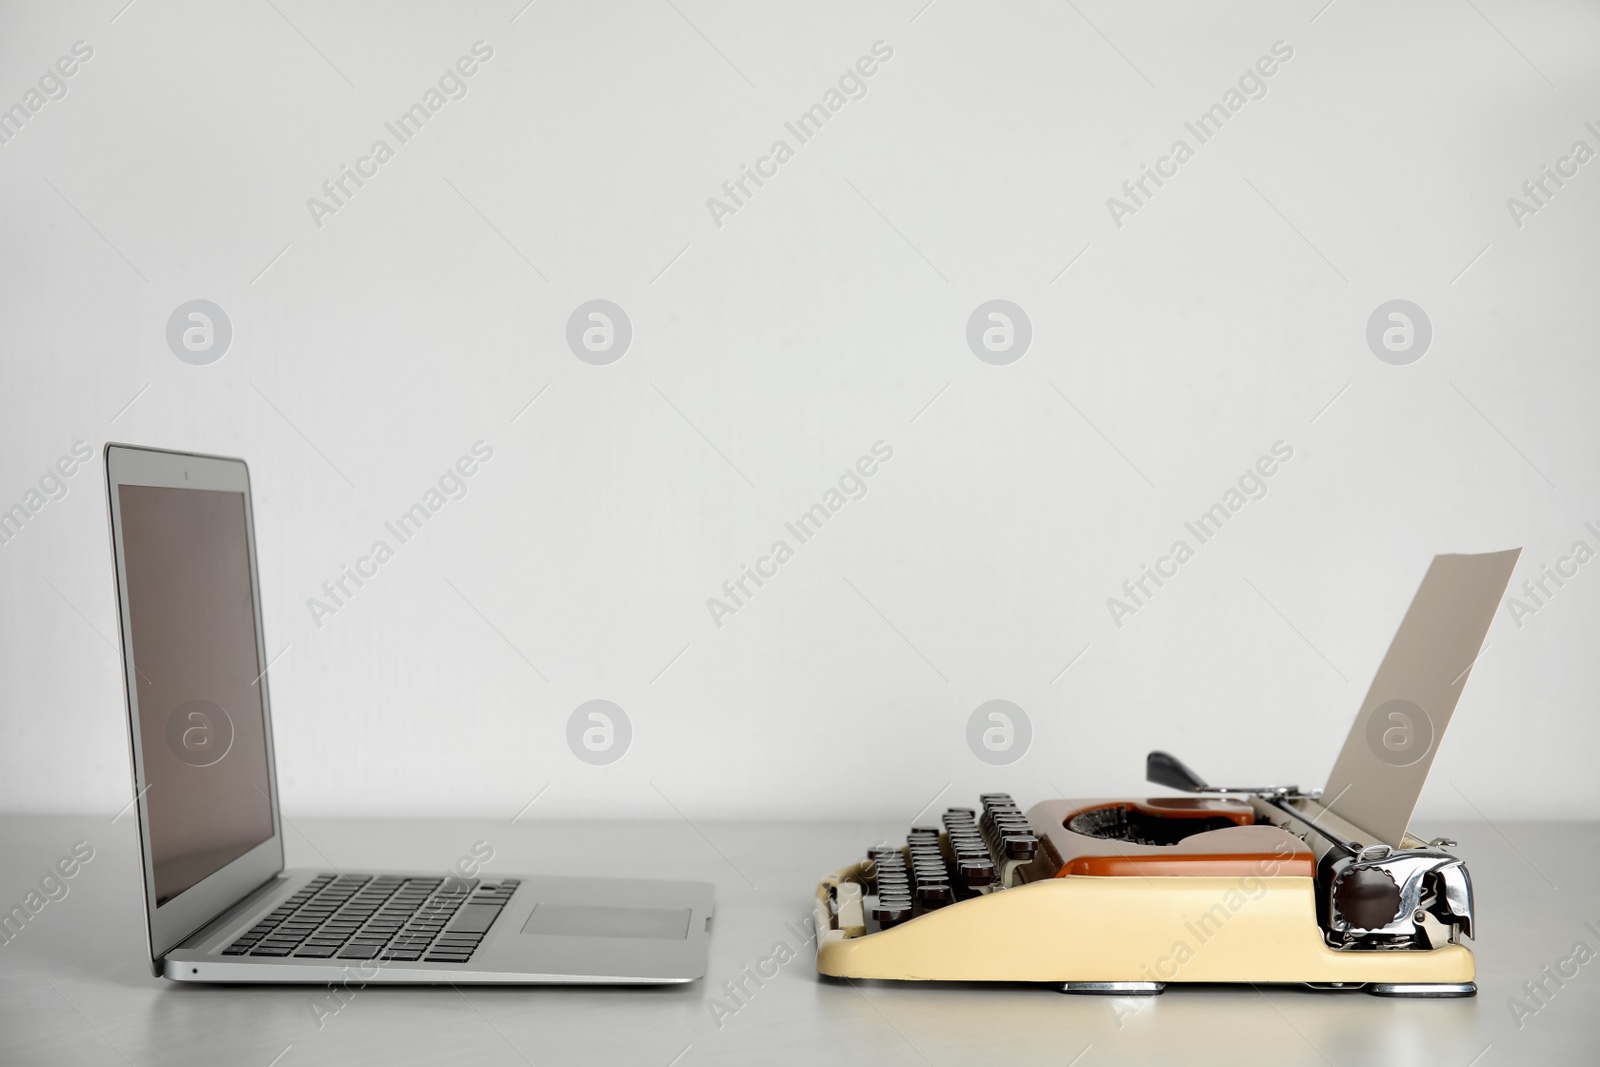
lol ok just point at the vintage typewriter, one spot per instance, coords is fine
(1270, 884)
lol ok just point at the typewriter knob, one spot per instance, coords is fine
(1367, 898)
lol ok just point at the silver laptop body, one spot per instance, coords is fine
(220, 907)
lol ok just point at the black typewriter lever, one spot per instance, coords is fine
(1163, 768)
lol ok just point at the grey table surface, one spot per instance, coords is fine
(75, 985)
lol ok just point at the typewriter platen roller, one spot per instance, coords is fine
(1220, 884)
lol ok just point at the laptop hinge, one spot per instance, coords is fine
(230, 914)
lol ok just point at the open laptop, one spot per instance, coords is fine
(220, 906)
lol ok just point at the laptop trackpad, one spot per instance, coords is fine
(598, 920)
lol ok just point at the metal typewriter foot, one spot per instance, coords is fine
(1115, 989)
(1423, 989)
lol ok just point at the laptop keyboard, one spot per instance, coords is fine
(385, 917)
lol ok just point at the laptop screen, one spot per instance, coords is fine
(192, 630)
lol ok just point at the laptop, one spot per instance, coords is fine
(219, 904)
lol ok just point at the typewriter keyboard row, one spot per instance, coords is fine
(976, 853)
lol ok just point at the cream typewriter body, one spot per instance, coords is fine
(1269, 884)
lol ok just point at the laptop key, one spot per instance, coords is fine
(475, 918)
(316, 952)
(359, 952)
(265, 951)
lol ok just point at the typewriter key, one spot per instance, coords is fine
(1021, 846)
(977, 872)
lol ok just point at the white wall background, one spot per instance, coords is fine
(769, 353)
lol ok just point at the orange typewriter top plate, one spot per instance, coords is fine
(1164, 837)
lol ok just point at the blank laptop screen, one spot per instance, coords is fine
(193, 632)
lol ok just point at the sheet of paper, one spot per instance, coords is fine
(1381, 769)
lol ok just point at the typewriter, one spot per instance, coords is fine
(1271, 884)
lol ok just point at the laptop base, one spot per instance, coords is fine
(548, 931)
